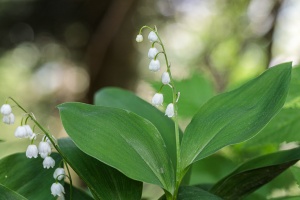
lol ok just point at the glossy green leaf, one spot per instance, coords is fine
(24, 176)
(255, 173)
(119, 98)
(121, 139)
(296, 173)
(7, 194)
(235, 116)
(104, 181)
(77, 193)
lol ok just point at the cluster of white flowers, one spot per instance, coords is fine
(43, 149)
(8, 116)
(154, 66)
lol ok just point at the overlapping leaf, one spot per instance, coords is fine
(7, 194)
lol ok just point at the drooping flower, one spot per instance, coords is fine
(165, 78)
(157, 99)
(32, 151)
(170, 110)
(139, 38)
(48, 162)
(152, 37)
(44, 149)
(9, 119)
(28, 130)
(152, 53)
(57, 189)
(20, 132)
(5, 109)
(59, 173)
(154, 65)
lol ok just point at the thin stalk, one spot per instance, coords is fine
(49, 137)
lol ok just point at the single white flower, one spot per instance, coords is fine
(5, 109)
(9, 119)
(157, 99)
(44, 149)
(57, 189)
(59, 173)
(32, 151)
(28, 130)
(154, 65)
(152, 53)
(170, 110)
(165, 78)
(20, 132)
(48, 162)
(152, 37)
(139, 38)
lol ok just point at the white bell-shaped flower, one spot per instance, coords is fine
(59, 173)
(20, 132)
(28, 130)
(139, 38)
(5, 109)
(32, 151)
(9, 119)
(57, 189)
(44, 149)
(154, 65)
(48, 162)
(170, 110)
(157, 99)
(165, 78)
(152, 37)
(152, 53)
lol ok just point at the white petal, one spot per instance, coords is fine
(9, 119)
(165, 78)
(154, 65)
(59, 173)
(57, 189)
(152, 53)
(44, 148)
(5, 109)
(170, 110)
(48, 162)
(20, 132)
(152, 37)
(139, 38)
(32, 151)
(157, 99)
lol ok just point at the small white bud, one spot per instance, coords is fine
(44, 149)
(152, 37)
(57, 189)
(139, 38)
(59, 173)
(154, 65)
(48, 162)
(5, 109)
(32, 151)
(20, 132)
(165, 78)
(170, 110)
(9, 119)
(157, 99)
(152, 53)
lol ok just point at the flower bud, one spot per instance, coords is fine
(170, 110)
(48, 162)
(9, 119)
(32, 151)
(154, 65)
(57, 189)
(139, 38)
(20, 132)
(59, 173)
(152, 37)
(152, 53)
(5, 109)
(157, 99)
(165, 78)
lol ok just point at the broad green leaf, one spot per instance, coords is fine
(235, 116)
(285, 125)
(296, 173)
(119, 98)
(27, 176)
(77, 194)
(7, 194)
(104, 181)
(121, 139)
(193, 193)
(255, 173)
(194, 92)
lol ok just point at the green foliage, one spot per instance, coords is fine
(104, 181)
(235, 116)
(8, 194)
(254, 173)
(120, 139)
(77, 194)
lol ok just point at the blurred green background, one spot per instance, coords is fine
(59, 50)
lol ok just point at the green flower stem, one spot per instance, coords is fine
(50, 138)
